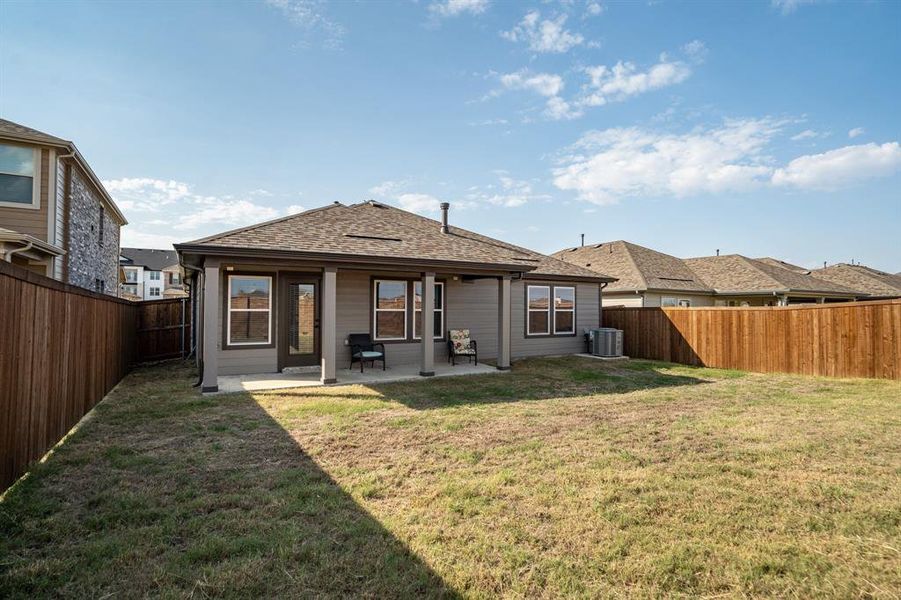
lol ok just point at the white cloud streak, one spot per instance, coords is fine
(311, 16)
(856, 132)
(544, 36)
(604, 167)
(453, 8)
(624, 80)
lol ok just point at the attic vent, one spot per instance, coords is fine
(377, 204)
(598, 245)
(587, 264)
(675, 279)
(372, 237)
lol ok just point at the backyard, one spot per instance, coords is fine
(568, 477)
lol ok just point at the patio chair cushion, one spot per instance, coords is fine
(461, 341)
(368, 354)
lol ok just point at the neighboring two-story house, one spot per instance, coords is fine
(56, 218)
(151, 274)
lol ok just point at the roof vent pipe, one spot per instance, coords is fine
(717, 251)
(444, 227)
(583, 239)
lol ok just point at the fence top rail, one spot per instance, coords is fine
(23, 274)
(757, 308)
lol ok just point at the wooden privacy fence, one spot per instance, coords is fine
(164, 329)
(854, 339)
(61, 350)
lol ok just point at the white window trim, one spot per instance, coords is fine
(530, 310)
(441, 310)
(35, 183)
(151, 294)
(230, 310)
(154, 276)
(376, 310)
(569, 310)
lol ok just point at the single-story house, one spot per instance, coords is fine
(878, 285)
(650, 278)
(289, 292)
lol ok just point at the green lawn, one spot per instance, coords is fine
(568, 477)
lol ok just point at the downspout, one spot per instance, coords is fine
(601, 303)
(195, 311)
(9, 253)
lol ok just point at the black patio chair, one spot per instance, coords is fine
(363, 349)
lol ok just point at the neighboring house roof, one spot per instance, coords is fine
(636, 268)
(859, 277)
(20, 133)
(737, 274)
(378, 232)
(775, 262)
(150, 259)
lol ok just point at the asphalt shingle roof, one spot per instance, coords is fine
(635, 267)
(373, 229)
(859, 277)
(20, 131)
(153, 260)
(737, 273)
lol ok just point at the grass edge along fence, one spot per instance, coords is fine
(852, 339)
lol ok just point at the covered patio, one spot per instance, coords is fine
(313, 377)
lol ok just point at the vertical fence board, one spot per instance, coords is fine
(853, 339)
(61, 350)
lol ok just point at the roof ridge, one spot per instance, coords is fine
(206, 240)
(755, 264)
(632, 259)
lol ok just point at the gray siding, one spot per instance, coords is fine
(470, 306)
(587, 316)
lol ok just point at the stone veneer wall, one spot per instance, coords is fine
(88, 260)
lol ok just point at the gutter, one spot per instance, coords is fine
(8, 255)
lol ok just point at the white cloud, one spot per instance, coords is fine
(419, 203)
(134, 237)
(310, 15)
(293, 209)
(224, 212)
(616, 163)
(841, 166)
(508, 192)
(593, 9)
(807, 134)
(624, 80)
(856, 132)
(453, 8)
(695, 50)
(790, 6)
(544, 36)
(386, 188)
(544, 84)
(145, 194)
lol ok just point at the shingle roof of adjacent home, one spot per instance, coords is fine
(734, 273)
(775, 262)
(636, 268)
(859, 277)
(153, 260)
(27, 133)
(378, 231)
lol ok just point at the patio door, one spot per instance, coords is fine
(299, 322)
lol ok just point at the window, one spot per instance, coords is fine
(99, 285)
(153, 292)
(544, 317)
(390, 310)
(100, 225)
(564, 309)
(130, 289)
(175, 278)
(131, 276)
(18, 166)
(249, 310)
(672, 302)
(539, 309)
(154, 275)
(438, 330)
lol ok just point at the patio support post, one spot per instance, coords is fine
(427, 366)
(503, 323)
(328, 326)
(211, 300)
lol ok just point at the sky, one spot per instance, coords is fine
(759, 128)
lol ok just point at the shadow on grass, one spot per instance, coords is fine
(162, 494)
(540, 379)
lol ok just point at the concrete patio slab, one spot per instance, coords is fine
(273, 381)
